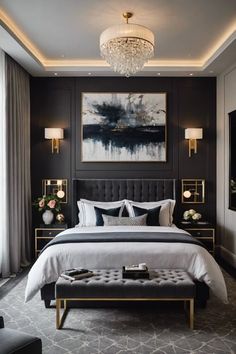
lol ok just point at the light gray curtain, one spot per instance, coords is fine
(4, 230)
(18, 169)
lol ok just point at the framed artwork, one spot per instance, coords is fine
(123, 127)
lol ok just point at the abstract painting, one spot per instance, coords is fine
(123, 127)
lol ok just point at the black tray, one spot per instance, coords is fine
(135, 274)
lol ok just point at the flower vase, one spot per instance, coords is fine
(47, 217)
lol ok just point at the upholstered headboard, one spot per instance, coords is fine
(105, 190)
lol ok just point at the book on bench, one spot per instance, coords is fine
(76, 274)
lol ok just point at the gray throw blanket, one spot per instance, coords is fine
(169, 237)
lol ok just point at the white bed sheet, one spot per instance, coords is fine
(194, 259)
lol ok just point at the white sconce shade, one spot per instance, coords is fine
(55, 134)
(193, 134)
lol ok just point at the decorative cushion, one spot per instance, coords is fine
(152, 215)
(128, 221)
(166, 212)
(100, 212)
(87, 215)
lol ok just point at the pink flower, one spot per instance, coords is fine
(51, 204)
(41, 203)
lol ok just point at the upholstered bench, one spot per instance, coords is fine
(108, 285)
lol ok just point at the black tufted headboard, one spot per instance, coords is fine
(105, 190)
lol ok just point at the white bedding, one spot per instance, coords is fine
(194, 259)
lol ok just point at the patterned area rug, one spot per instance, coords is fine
(161, 329)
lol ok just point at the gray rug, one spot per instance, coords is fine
(161, 329)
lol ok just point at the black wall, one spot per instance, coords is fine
(191, 102)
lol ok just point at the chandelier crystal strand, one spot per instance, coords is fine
(127, 47)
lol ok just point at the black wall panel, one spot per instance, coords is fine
(56, 102)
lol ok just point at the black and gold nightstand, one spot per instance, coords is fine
(44, 234)
(205, 232)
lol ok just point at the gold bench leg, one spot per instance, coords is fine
(58, 319)
(191, 314)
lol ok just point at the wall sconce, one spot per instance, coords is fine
(55, 134)
(193, 134)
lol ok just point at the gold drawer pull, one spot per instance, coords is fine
(199, 233)
(50, 233)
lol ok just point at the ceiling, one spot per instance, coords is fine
(61, 37)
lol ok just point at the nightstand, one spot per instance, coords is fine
(205, 232)
(44, 234)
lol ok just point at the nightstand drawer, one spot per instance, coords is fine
(208, 244)
(201, 233)
(47, 232)
(41, 242)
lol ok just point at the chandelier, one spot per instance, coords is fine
(127, 47)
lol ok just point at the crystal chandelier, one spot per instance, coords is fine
(127, 47)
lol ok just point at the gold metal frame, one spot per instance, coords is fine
(60, 319)
(51, 186)
(140, 161)
(197, 189)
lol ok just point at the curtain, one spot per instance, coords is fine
(4, 231)
(18, 186)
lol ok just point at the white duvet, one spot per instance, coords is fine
(194, 259)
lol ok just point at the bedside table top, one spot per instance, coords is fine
(199, 224)
(53, 226)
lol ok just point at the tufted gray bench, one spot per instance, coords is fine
(108, 285)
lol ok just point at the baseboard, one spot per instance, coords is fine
(227, 256)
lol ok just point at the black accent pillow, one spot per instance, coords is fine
(125, 212)
(152, 215)
(100, 211)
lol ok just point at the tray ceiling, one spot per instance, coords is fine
(62, 36)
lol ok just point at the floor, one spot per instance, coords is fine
(160, 329)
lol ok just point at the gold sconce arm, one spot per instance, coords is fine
(193, 134)
(55, 134)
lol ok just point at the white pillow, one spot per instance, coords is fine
(166, 212)
(87, 215)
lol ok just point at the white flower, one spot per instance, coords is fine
(192, 212)
(186, 215)
(196, 216)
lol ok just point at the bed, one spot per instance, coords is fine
(107, 247)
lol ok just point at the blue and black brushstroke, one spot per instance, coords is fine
(124, 128)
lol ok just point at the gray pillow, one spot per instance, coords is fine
(127, 221)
